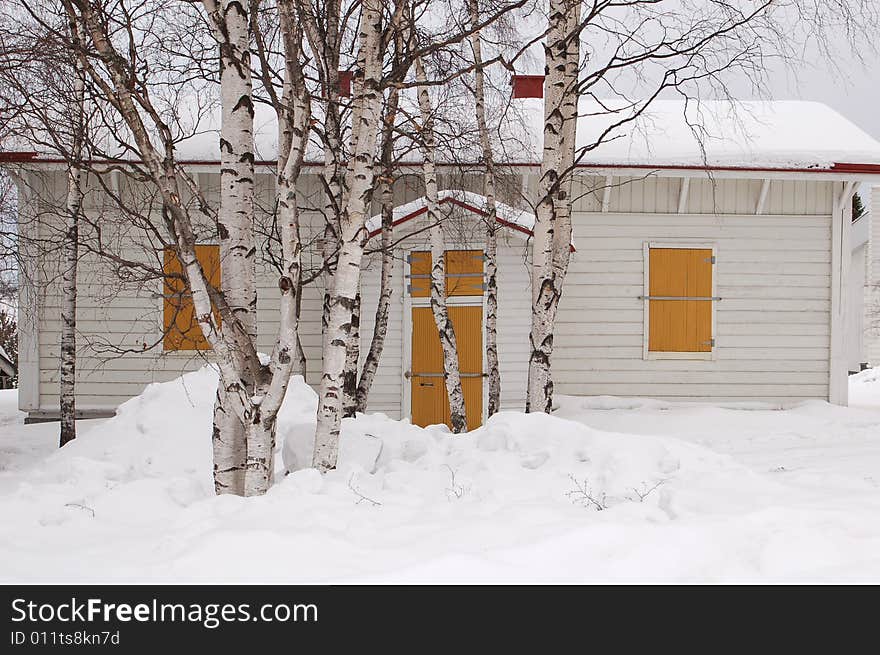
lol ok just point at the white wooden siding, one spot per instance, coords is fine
(773, 273)
(772, 324)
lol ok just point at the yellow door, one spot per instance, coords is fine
(430, 402)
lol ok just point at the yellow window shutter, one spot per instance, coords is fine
(677, 323)
(182, 331)
(420, 274)
(464, 272)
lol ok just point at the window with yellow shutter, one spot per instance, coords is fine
(182, 331)
(464, 273)
(680, 301)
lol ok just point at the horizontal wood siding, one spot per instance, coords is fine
(773, 272)
(772, 324)
(661, 195)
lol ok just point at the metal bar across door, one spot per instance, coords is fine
(679, 298)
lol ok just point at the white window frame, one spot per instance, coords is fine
(648, 354)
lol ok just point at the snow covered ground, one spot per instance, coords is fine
(605, 490)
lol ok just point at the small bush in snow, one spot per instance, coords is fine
(455, 490)
(361, 498)
(644, 492)
(582, 494)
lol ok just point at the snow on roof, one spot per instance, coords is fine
(467, 199)
(747, 134)
(516, 219)
(789, 134)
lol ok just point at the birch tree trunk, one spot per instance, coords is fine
(352, 357)
(493, 373)
(451, 371)
(552, 233)
(232, 346)
(235, 221)
(294, 115)
(380, 325)
(323, 32)
(67, 399)
(300, 366)
(358, 194)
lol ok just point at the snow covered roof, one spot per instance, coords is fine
(741, 134)
(752, 135)
(514, 219)
(508, 216)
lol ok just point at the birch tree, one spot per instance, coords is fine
(250, 392)
(293, 115)
(323, 26)
(231, 25)
(67, 386)
(404, 46)
(445, 328)
(552, 231)
(493, 373)
(357, 196)
(43, 101)
(386, 194)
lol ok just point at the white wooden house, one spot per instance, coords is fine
(702, 269)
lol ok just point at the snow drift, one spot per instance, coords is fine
(525, 498)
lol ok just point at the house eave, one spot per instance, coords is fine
(839, 171)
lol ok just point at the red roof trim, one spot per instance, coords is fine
(840, 167)
(475, 210)
(873, 169)
(17, 156)
(856, 168)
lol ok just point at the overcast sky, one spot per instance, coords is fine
(856, 94)
(853, 89)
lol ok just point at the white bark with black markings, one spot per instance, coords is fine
(74, 203)
(230, 21)
(249, 394)
(492, 371)
(293, 110)
(352, 357)
(448, 342)
(386, 185)
(552, 233)
(380, 324)
(357, 198)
